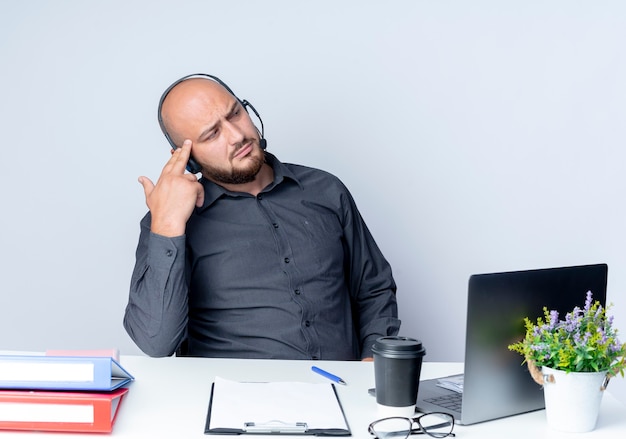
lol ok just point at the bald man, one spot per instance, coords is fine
(257, 258)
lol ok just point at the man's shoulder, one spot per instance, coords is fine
(309, 173)
(309, 178)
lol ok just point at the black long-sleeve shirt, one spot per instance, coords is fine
(291, 273)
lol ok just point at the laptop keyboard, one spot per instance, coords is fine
(450, 402)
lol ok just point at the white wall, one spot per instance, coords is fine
(476, 137)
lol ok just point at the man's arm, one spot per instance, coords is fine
(372, 286)
(156, 314)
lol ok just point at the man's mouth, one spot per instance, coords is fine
(243, 150)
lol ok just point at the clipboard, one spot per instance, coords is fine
(289, 408)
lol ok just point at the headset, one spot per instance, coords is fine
(193, 166)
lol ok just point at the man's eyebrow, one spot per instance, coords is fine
(233, 108)
(208, 129)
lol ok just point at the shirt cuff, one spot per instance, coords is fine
(162, 251)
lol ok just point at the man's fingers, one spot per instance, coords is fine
(180, 157)
(147, 184)
(199, 189)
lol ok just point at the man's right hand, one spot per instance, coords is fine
(172, 200)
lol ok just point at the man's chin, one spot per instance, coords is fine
(245, 173)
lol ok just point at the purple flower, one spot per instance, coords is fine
(588, 301)
(538, 347)
(599, 312)
(615, 346)
(571, 322)
(577, 339)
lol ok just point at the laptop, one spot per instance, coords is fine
(495, 384)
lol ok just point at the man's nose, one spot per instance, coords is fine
(234, 132)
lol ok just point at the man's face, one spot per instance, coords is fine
(225, 141)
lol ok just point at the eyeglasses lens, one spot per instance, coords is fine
(437, 424)
(392, 428)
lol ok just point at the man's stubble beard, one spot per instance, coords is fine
(243, 175)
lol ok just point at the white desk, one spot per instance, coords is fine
(169, 399)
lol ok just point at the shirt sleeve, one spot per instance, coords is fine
(372, 287)
(156, 314)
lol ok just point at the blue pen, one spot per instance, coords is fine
(328, 375)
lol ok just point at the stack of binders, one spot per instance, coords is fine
(61, 393)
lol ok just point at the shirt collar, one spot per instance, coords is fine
(213, 191)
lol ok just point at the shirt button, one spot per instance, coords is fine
(307, 323)
(169, 253)
(286, 260)
(275, 225)
(259, 197)
(297, 292)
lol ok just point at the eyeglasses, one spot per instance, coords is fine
(433, 424)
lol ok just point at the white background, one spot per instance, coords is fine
(476, 136)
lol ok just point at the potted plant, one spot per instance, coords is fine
(573, 358)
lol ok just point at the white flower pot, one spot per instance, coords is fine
(572, 399)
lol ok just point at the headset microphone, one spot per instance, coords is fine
(193, 167)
